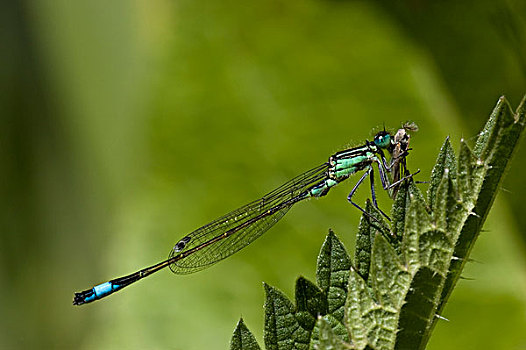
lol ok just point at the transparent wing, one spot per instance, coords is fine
(242, 226)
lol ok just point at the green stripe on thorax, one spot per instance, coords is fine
(346, 163)
(342, 165)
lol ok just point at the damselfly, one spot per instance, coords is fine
(224, 236)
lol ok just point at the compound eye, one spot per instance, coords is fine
(382, 140)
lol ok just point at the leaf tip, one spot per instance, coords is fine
(520, 113)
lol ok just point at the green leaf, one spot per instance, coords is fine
(445, 160)
(388, 275)
(389, 282)
(327, 335)
(397, 291)
(419, 308)
(360, 310)
(364, 239)
(399, 208)
(310, 303)
(242, 339)
(466, 160)
(282, 330)
(437, 250)
(417, 220)
(399, 304)
(493, 150)
(287, 326)
(332, 274)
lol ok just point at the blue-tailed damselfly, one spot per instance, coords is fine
(224, 236)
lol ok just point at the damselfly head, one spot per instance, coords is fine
(382, 139)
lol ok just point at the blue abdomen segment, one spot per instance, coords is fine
(104, 289)
(95, 293)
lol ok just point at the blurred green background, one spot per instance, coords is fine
(126, 124)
